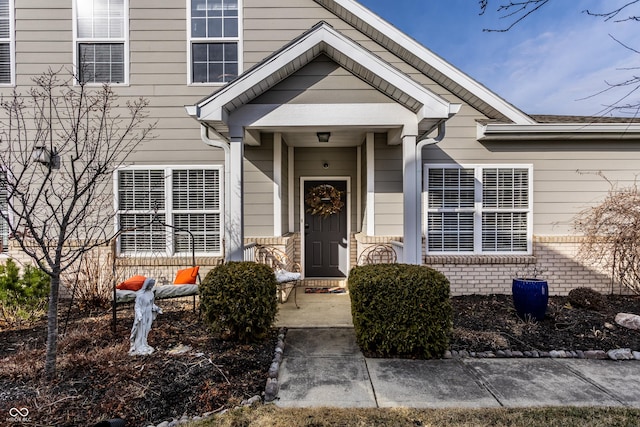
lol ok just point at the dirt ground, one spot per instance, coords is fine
(97, 380)
(483, 323)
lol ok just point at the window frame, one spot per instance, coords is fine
(208, 40)
(11, 41)
(478, 208)
(168, 210)
(77, 41)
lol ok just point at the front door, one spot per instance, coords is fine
(325, 228)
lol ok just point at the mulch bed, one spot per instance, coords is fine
(97, 380)
(490, 323)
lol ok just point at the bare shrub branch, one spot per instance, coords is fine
(612, 235)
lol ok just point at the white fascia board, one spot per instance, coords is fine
(192, 110)
(293, 115)
(559, 131)
(433, 60)
(211, 109)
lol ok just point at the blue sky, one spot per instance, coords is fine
(547, 64)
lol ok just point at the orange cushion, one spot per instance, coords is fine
(187, 276)
(133, 283)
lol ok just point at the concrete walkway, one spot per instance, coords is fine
(315, 310)
(324, 367)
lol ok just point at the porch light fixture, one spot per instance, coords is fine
(41, 154)
(323, 136)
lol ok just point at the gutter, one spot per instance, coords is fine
(221, 142)
(558, 131)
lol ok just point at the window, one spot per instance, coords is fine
(478, 209)
(186, 198)
(214, 40)
(6, 41)
(101, 31)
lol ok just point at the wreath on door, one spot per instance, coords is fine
(324, 200)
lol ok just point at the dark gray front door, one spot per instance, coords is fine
(326, 237)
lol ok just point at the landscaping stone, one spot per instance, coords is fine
(620, 354)
(628, 320)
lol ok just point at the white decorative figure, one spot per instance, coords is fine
(145, 314)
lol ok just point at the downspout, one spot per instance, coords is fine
(424, 142)
(220, 142)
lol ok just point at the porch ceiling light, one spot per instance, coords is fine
(323, 136)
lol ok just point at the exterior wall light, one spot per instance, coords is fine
(323, 136)
(41, 154)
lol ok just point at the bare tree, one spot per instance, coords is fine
(514, 12)
(611, 232)
(59, 146)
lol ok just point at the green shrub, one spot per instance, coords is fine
(400, 310)
(238, 300)
(23, 297)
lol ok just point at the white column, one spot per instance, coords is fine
(411, 196)
(236, 201)
(277, 184)
(291, 191)
(371, 184)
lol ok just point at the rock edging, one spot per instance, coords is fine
(272, 386)
(615, 354)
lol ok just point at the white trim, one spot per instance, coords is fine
(410, 199)
(346, 114)
(558, 131)
(124, 40)
(371, 184)
(359, 188)
(303, 179)
(478, 209)
(277, 184)
(239, 40)
(12, 46)
(325, 39)
(395, 36)
(168, 209)
(292, 189)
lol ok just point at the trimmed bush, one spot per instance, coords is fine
(23, 297)
(586, 298)
(400, 310)
(238, 300)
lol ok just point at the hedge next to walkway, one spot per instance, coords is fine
(400, 310)
(238, 300)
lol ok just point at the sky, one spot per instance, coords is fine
(555, 61)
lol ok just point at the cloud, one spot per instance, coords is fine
(557, 72)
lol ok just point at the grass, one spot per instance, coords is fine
(270, 415)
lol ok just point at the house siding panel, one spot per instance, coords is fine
(388, 184)
(322, 81)
(258, 188)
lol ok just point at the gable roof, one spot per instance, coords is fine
(428, 107)
(445, 74)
